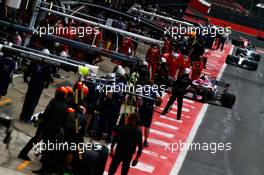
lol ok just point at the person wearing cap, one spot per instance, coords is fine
(53, 119)
(178, 92)
(40, 78)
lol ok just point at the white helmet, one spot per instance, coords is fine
(119, 67)
(46, 51)
(145, 63)
(187, 71)
(56, 44)
(110, 77)
(163, 60)
(120, 72)
(175, 54)
(64, 54)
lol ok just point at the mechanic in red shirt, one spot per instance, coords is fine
(166, 56)
(185, 61)
(152, 57)
(173, 64)
(197, 68)
(126, 45)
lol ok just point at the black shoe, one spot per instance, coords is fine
(24, 157)
(164, 112)
(145, 144)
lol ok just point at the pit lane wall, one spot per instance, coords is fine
(220, 16)
(253, 26)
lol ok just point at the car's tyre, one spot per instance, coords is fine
(230, 59)
(228, 100)
(205, 95)
(245, 62)
(254, 65)
(256, 57)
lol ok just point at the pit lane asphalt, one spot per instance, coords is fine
(242, 126)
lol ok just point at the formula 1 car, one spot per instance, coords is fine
(211, 91)
(249, 52)
(245, 58)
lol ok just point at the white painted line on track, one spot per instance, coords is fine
(168, 118)
(187, 116)
(209, 68)
(157, 142)
(188, 106)
(188, 101)
(179, 162)
(166, 125)
(219, 52)
(206, 72)
(162, 134)
(144, 167)
(212, 61)
(210, 64)
(151, 153)
(215, 55)
(175, 107)
(171, 119)
(183, 108)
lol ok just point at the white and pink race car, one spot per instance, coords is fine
(211, 91)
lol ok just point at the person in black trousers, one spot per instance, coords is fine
(40, 74)
(128, 138)
(33, 141)
(7, 67)
(178, 92)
